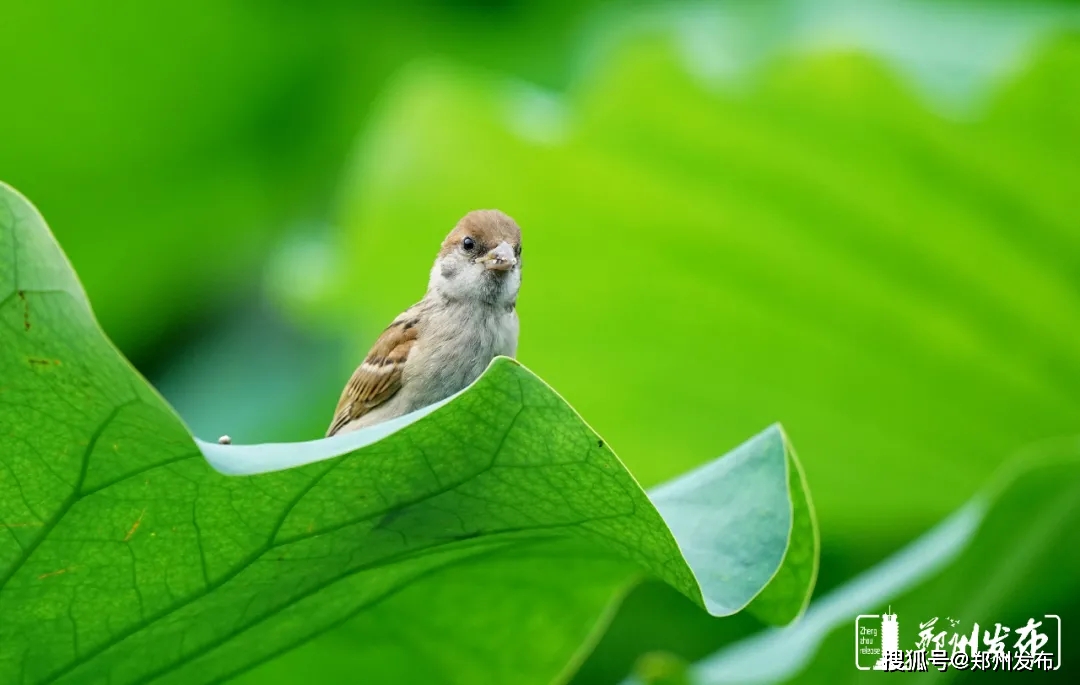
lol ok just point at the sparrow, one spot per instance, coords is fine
(444, 342)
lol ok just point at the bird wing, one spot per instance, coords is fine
(379, 376)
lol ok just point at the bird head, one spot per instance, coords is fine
(480, 260)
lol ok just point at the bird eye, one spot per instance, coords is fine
(468, 244)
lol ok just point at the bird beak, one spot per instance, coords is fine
(501, 258)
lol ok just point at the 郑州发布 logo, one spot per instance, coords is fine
(880, 645)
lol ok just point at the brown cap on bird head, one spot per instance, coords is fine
(487, 229)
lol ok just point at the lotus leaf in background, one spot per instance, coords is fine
(813, 242)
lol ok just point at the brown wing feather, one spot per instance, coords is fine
(379, 376)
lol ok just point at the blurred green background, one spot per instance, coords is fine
(857, 218)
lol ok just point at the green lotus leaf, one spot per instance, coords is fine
(483, 539)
